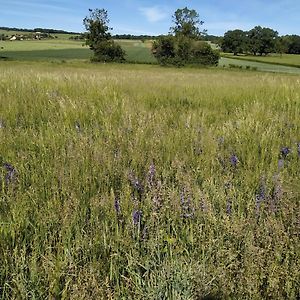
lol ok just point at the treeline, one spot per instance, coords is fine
(259, 41)
(43, 30)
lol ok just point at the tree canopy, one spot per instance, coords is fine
(182, 46)
(99, 38)
(186, 22)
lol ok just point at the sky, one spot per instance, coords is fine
(153, 17)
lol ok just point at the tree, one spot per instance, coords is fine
(234, 41)
(292, 43)
(186, 22)
(262, 40)
(99, 39)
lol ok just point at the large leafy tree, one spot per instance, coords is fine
(234, 41)
(98, 37)
(183, 45)
(186, 22)
(262, 40)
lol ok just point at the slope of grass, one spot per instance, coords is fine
(138, 182)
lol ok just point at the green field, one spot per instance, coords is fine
(136, 52)
(60, 49)
(291, 60)
(142, 182)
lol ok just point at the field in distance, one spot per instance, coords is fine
(292, 60)
(66, 49)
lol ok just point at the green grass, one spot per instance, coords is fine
(290, 60)
(80, 138)
(260, 66)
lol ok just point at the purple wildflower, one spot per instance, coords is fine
(117, 206)
(1, 124)
(187, 210)
(234, 160)
(11, 173)
(137, 217)
(298, 149)
(284, 152)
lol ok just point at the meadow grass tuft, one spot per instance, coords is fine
(138, 182)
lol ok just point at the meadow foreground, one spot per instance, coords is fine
(139, 182)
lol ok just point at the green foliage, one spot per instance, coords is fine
(292, 43)
(183, 50)
(262, 40)
(186, 22)
(108, 51)
(99, 39)
(203, 54)
(164, 49)
(234, 41)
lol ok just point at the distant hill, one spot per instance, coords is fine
(43, 30)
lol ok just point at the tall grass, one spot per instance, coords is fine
(137, 182)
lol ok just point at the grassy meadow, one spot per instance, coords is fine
(291, 60)
(141, 182)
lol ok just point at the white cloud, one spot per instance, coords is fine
(154, 14)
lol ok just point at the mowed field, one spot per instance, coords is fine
(141, 182)
(291, 60)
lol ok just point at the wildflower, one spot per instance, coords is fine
(11, 173)
(187, 210)
(117, 206)
(137, 217)
(1, 124)
(298, 149)
(234, 160)
(284, 152)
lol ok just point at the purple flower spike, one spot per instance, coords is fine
(117, 206)
(298, 149)
(234, 160)
(11, 173)
(228, 207)
(137, 217)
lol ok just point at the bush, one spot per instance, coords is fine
(164, 50)
(108, 51)
(182, 50)
(203, 54)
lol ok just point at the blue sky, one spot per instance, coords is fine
(153, 17)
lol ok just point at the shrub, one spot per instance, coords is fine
(108, 51)
(182, 50)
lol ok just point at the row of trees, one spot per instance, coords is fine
(181, 46)
(259, 40)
